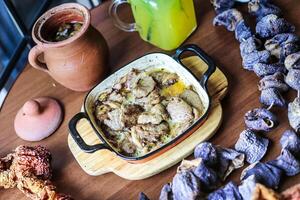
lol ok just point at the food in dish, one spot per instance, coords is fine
(145, 109)
(29, 169)
(67, 30)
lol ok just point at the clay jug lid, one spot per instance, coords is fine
(38, 118)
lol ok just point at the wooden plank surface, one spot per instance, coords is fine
(216, 41)
(104, 161)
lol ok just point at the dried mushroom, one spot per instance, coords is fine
(250, 45)
(291, 141)
(293, 79)
(271, 25)
(260, 119)
(272, 97)
(252, 145)
(261, 8)
(222, 5)
(264, 173)
(208, 177)
(229, 160)
(275, 80)
(261, 192)
(287, 163)
(294, 114)
(207, 152)
(228, 18)
(229, 191)
(292, 193)
(263, 69)
(242, 31)
(292, 61)
(143, 196)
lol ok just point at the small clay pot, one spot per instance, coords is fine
(78, 62)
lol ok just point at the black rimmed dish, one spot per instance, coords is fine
(148, 62)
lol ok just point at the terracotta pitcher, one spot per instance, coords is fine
(77, 62)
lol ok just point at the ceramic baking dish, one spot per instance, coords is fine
(147, 62)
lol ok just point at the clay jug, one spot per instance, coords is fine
(78, 62)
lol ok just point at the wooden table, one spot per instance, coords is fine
(216, 41)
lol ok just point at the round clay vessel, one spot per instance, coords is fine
(38, 118)
(79, 62)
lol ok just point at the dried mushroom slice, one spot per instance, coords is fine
(166, 192)
(208, 177)
(287, 163)
(261, 8)
(292, 61)
(247, 187)
(291, 141)
(222, 5)
(263, 69)
(207, 152)
(271, 25)
(294, 114)
(228, 160)
(292, 193)
(261, 192)
(264, 173)
(275, 80)
(252, 145)
(249, 60)
(272, 97)
(229, 191)
(228, 18)
(242, 31)
(293, 79)
(186, 185)
(260, 119)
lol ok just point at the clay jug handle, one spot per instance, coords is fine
(34, 53)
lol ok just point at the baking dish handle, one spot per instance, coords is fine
(200, 53)
(78, 139)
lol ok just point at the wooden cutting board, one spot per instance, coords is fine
(104, 161)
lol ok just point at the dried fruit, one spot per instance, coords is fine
(272, 97)
(228, 18)
(261, 192)
(229, 160)
(293, 79)
(263, 69)
(264, 173)
(208, 177)
(222, 5)
(249, 60)
(250, 45)
(294, 114)
(273, 81)
(229, 191)
(242, 31)
(291, 141)
(252, 145)
(292, 61)
(207, 152)
(260, 119)
(247, 187)
(271, 25)
(143, 196)
(166, 192)
(287, 163)
(261, 8)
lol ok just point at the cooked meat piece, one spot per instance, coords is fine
(115, 96)
(149, 118)
(130, 114)
(101, 112)
(128, 147)
(164, 78)
(112, 104)
(180, 111)
(120, 84)
(104, 95)
(161, 110)
(131, 78)
(114, 120)
(180, 128)
(143, 85)
(192, 98)
(196, 113)
(143, 134)
(152, 99)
